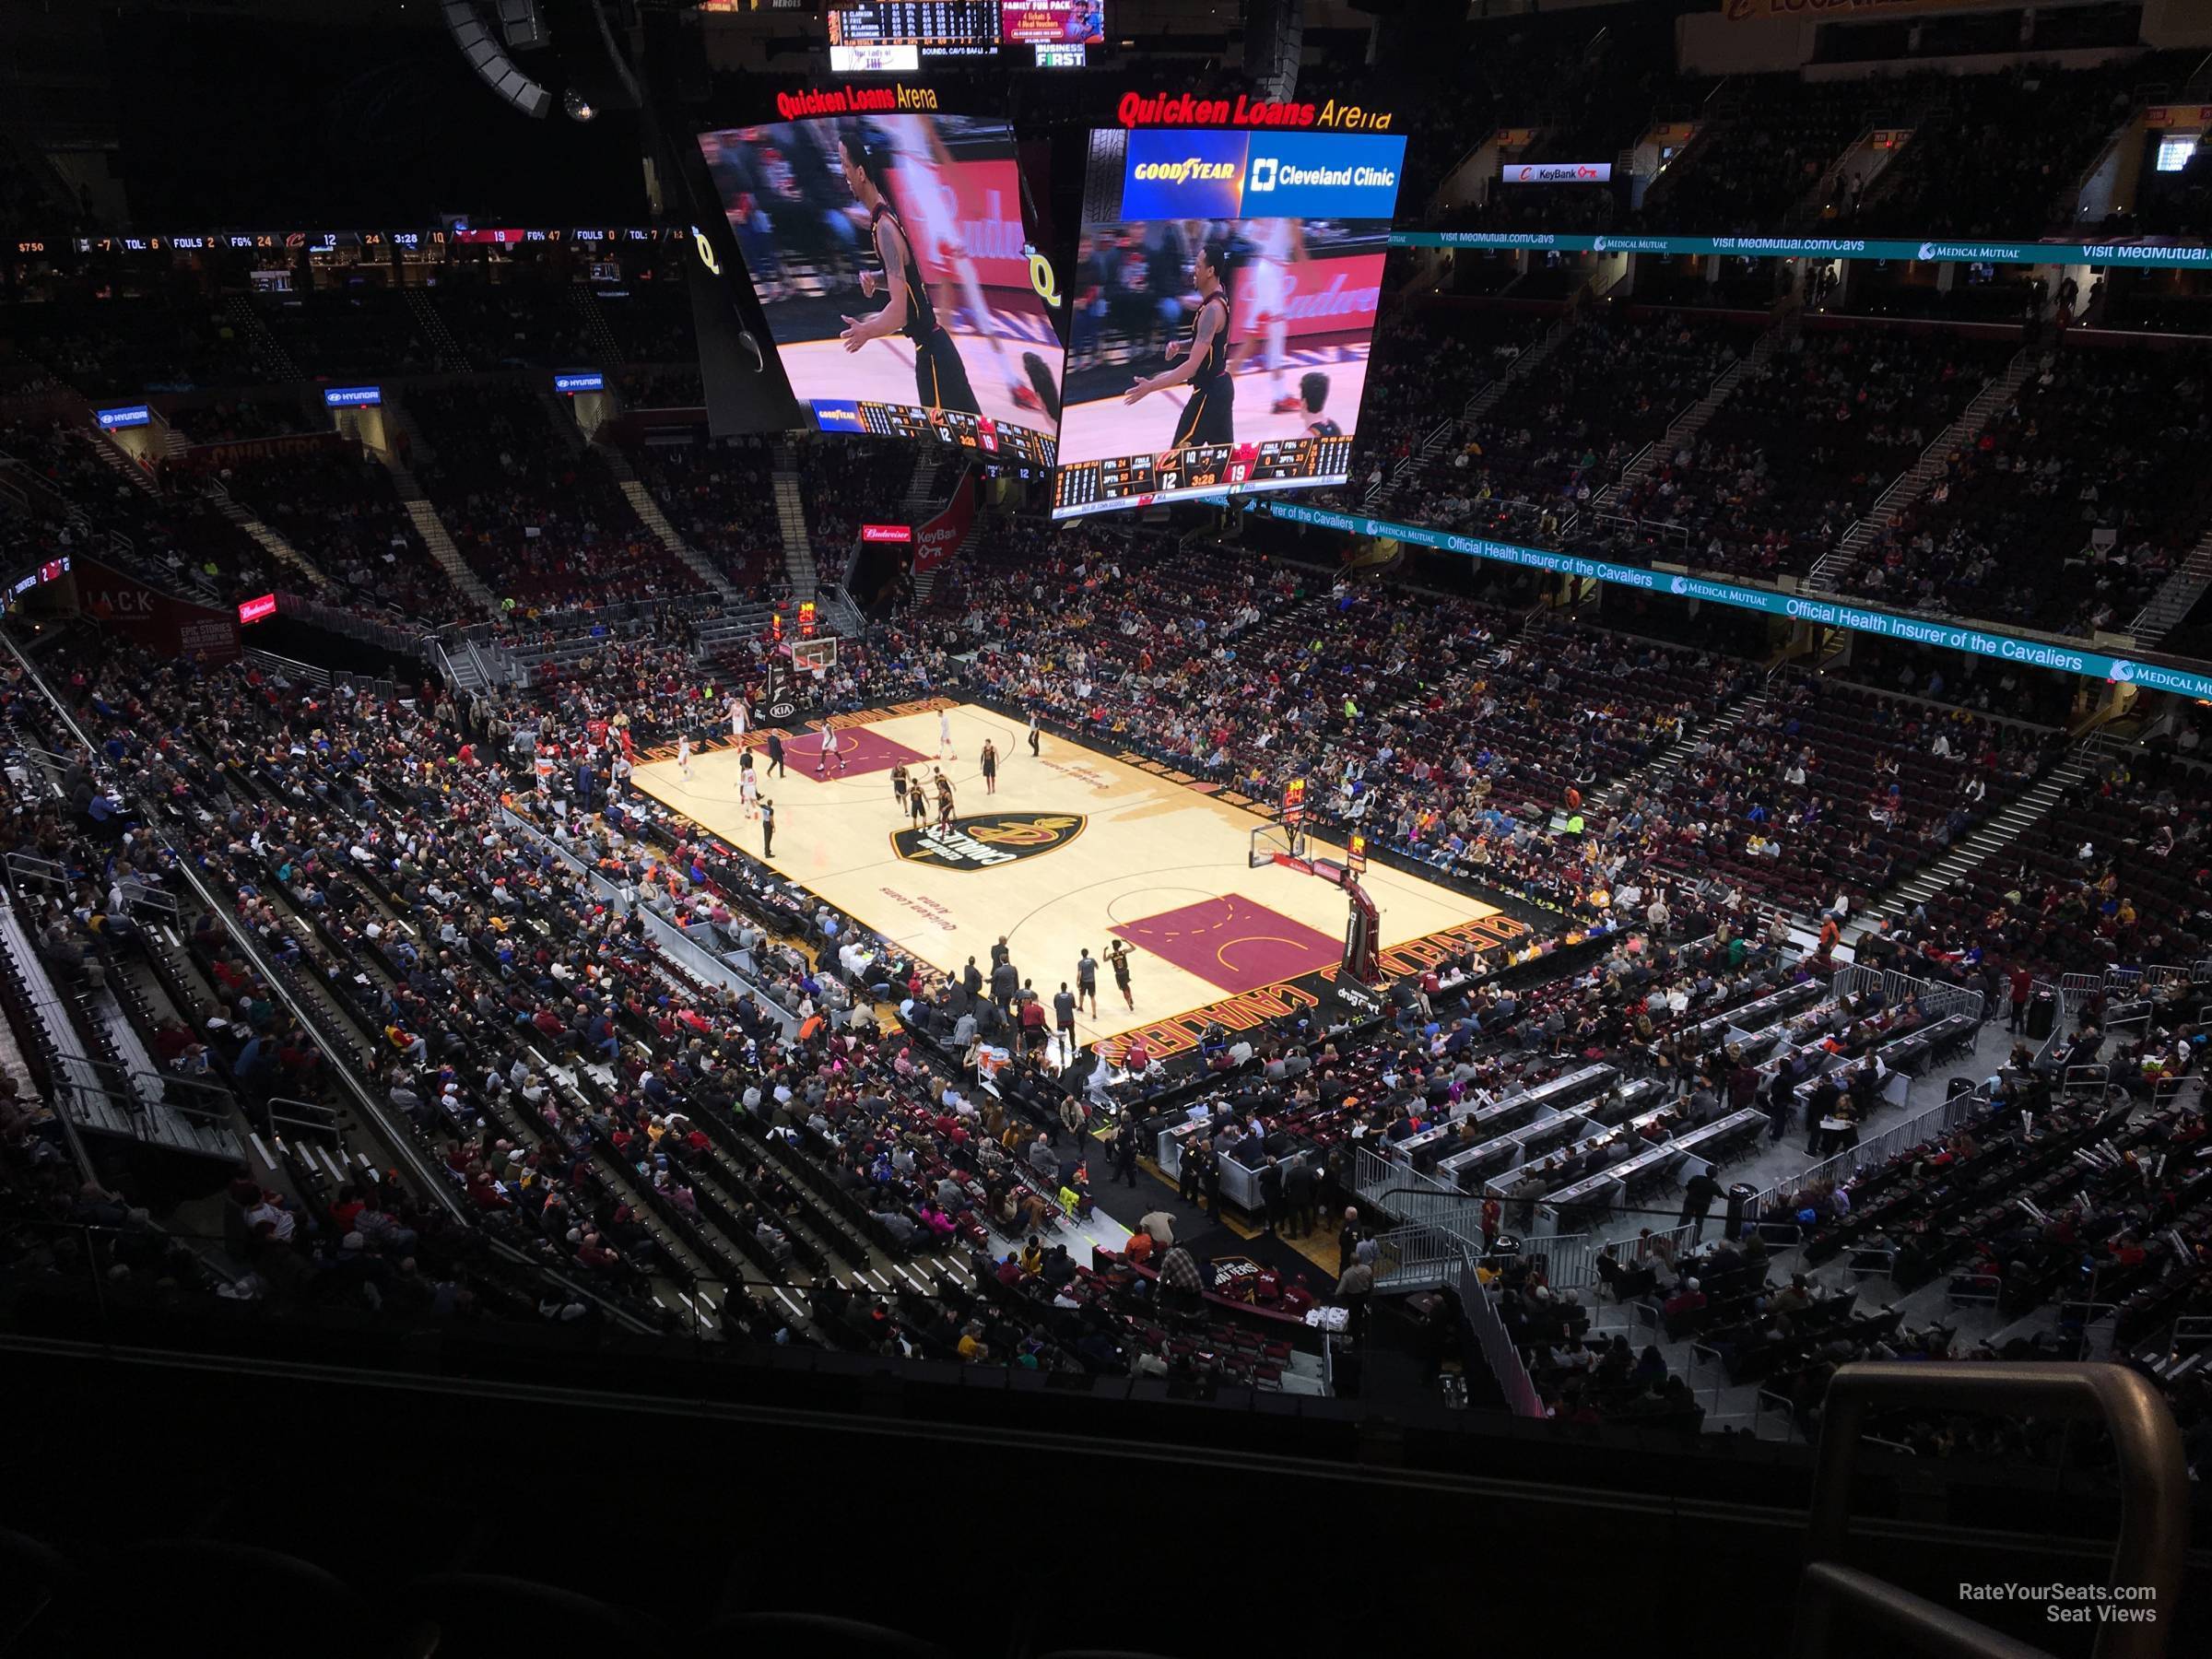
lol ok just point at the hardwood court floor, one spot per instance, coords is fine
(1073, 846)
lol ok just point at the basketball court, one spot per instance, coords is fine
(1076, 849)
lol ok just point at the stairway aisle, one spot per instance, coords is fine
(2007, 825)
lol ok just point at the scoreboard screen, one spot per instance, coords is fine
(1222, 308)
(890, 36)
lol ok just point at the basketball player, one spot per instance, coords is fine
(1086, 981)
(899, 786)
(1210, 416)
(831, 751)
(917, 804)
(1117, 957)
(737, 717)
(1313, 393)
(749, 787)
(1281, 246)
(990, 767)
(944, 749)
(944, 802)
(683, 754)
(936, 213)
(1033, 736)
(940, 378)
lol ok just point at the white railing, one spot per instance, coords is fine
(1498, 1350)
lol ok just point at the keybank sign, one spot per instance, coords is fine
(1825, 613)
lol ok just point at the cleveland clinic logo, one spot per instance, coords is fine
(1263, 175)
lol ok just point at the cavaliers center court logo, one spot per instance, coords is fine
(989, 839)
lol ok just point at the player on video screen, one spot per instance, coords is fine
(937, 207)
(1210, 416)
(1312, 393)
(1278, 248)
(940, 378)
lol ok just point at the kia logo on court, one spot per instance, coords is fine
(989, 839)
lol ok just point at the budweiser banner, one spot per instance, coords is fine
(936, 539)
(161, 622)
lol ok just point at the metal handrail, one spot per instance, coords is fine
(2154, 1486)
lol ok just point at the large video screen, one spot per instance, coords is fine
(1053, 22)
(1223, 306)
(890, 259)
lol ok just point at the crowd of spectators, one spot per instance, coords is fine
(337, 506)
(536, 514)
(1804, 445)
(720, 495)
(2070, 508)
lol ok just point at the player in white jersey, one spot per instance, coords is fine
(945, 750)
(831, 751)
(933, 208)
(1280, 247)
(737, 716)
(683, 753)
(748, 792)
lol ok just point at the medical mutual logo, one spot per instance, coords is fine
(2123, 671)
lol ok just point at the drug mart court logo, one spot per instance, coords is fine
(989, 839)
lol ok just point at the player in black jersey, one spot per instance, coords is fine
(1314, 391)
(940, 378)
(1210, 416)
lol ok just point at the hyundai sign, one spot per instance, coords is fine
(1556, 172)
(257, 610)
(349, 397)
(130, 415)
(572, 383)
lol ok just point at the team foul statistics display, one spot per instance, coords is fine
(891, 262)
(1222, 310)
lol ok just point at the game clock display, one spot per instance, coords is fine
(1204, 469)
(958, 427)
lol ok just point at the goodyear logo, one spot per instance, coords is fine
(989, 839)
(1187, 170)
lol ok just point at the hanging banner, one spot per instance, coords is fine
(1843, 11)
(2144, 255)
(214, 457)
(161, 622)
(1826, 612)
(936, 539)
